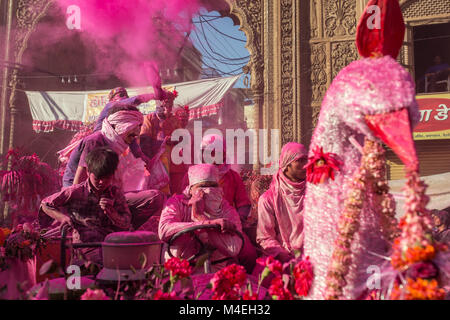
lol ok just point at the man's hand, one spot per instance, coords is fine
(106, 204)
(149, 163)
(225, 224)
(160, 94)
(197, 203)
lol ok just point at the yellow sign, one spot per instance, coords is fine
(95, 102)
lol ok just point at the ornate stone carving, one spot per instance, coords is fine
(340, 17)
(314, 25)
(315, 115)
(287, 71)
(250, 15)
(318, 71)
(342, 53)
(424, 8)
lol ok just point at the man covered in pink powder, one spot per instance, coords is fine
(119, 130)
(117, 96)
(234, 192)
(280, 209)
(202, 203)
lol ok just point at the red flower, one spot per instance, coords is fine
(321, 166)
(271, 263)
(178, 267)
(303, 275)
(249, 296)
(227, 282)
(159, 295)
(278, 291)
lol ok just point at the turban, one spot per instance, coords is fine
(117, 92)
(291, 151)
(125, 120)
(202, 173)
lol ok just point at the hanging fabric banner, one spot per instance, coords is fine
(68, 110)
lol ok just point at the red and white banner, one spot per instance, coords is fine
(68, 110)
(434, 118)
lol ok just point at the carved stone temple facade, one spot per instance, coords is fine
(297, 47)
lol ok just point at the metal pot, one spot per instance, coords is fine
(126, 255)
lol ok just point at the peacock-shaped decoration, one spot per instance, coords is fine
(349, 214)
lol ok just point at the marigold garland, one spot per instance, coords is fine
(416, 247)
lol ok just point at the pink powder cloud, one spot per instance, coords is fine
(127, 34)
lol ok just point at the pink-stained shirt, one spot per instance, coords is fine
(176, 217)
(280, 225)
(234, 190)
(81, 204)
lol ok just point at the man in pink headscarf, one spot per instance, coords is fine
(119, 130)
(202, 203)
(280, 209)
(234, 192)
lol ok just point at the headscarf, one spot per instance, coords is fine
(202, 173)
(288, 195)
(213, 197)
(123, 121)
(216, 141)
(117, 94)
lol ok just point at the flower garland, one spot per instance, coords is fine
(368, 180)
(415, 249)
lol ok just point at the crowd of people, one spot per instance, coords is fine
(95, 203)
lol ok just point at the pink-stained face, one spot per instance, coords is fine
(100, 184)
(129, 136)
(295, 168)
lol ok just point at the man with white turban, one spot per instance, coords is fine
(119, 130)
(280, 209)
(202, 203)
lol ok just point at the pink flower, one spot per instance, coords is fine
(159, 295)
(97, 294)
(303, 275)
(321, 166)
(271, 263)
(178, 267)
(278, 291)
